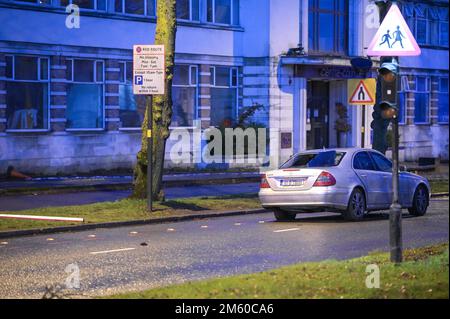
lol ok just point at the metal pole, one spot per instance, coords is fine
(149, 153)
(395, 216)
(363, 127)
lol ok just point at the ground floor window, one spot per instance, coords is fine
(443, 101)
(131, 107)
(26, 92)
(422, 100)
(184, 95)
(223, 96)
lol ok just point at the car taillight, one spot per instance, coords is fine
(264, 183)
(325, 179)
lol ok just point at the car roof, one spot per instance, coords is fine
(343, 149)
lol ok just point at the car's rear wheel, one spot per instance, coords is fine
(283, 216)
(420, 201)
(356, 207)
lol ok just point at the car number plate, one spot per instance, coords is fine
(292, 182)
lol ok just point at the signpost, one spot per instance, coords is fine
(393, 38)
(149, 79)
(361, 92)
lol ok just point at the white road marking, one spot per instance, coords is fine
(261, 222)
(91, 236)
(133, 232)
(170, 229)
(4, 243)
(50, 239)
(285, 230)
(35, 217)
(110, 251)
(237, 224)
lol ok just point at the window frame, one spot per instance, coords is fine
(212, 69)
(85, 9)
(71, 81)
(404, 89)
(428, 92)
(213, 15)
(197, 91)
(440, 92)
(38, 80)
(191, 13)
(371, 160)
(134, 14)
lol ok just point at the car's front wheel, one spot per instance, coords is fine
(356, 207)
(283, 216)
(420, 201)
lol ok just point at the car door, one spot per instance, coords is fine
(385, 165)
(373, 180)
(384, 170)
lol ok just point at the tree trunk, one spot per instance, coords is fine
(162, 108)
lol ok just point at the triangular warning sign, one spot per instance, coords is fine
(361, 95)
(393, 38)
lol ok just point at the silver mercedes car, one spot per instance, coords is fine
(350, 181)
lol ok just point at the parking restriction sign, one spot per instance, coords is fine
(148, 69)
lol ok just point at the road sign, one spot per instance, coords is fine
(393, 38)
(361, 91)
(148, 69)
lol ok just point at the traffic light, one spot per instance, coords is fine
(388, 74)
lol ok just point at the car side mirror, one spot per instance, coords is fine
(402, 168)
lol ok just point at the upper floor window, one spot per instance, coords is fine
(328, 26)
(137, 7)
(222, 11)
(86, 4)
(188, 10)
(41, 2)
(429, 24)
(27, 80)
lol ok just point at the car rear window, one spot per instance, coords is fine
(320, 159)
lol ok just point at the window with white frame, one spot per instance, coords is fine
(136, 7)
(224, 95)
(131, 107)
(27, 79)
(184, 95)
(402, 100)
(222, 11)
(37, 2)
(86, 4)
(188, 10)
(422, 100)
(84, 94)
(443, 101)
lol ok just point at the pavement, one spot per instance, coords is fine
(134, 258)
(12, 186)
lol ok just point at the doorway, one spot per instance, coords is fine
(317, 114)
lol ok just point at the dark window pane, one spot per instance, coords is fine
(236, 12)
(122, 72)
(118, 6)
(421, 29)
(444, 34)
(222, 76)
(26, 105)
(183, 106)
(213, 74)
(101, 5)
(134, 6)
(151, 9)
(181, 75)
(322, 159)
(223, 106)
(195, 10)
(234, 77)
(401, 107)
(9, 67)
(44, 69)
(326, 5)
(223, 11)
(132, 107)
(99, 71)
(326, 32)
(129, 75)
(69, 70)
(362, 161)
(83, 71)
(84, 106)
(443, 101)
(25, 68)
(183, 9)
(209, 11)
(421, 108)
(85, 4)
(193, 75)
(383, 164)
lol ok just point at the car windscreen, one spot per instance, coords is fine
(320, 159)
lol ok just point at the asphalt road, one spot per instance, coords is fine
(114, 260)
(21, 202)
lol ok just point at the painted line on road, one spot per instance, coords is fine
(110, 251)
(285, 230)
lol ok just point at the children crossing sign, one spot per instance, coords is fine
(361, 91)
(393, 38)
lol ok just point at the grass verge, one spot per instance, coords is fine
(439, 186)
(129, 209)
(423, 274)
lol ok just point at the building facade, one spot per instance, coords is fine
(66, 102)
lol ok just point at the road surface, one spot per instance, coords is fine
(136, 258)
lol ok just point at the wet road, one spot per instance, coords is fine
(114, 260)
(21, 202)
